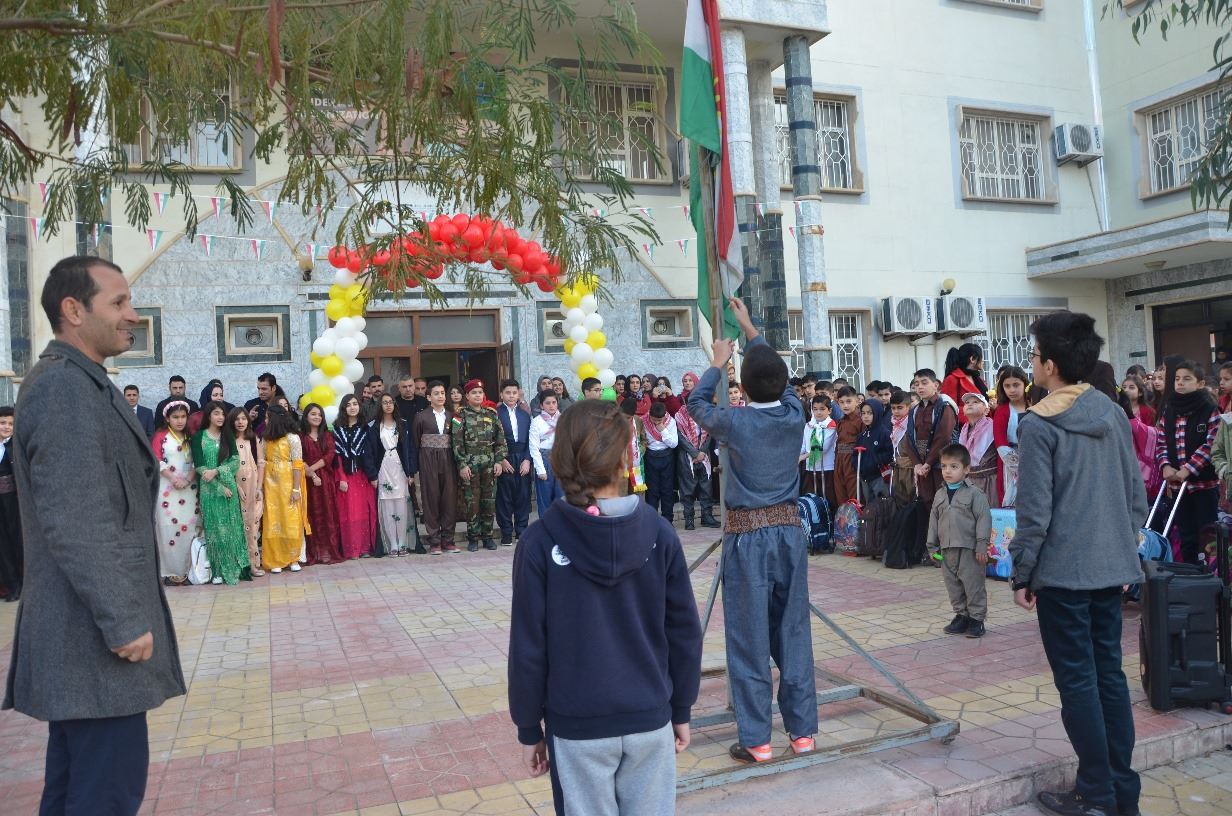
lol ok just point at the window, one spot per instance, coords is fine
(1008, 341)
(1178, 134)
(630, 128)
(17, 257)
(847, 339)
(457, 329)
(1002, 157)
(213, 147)
(834, 139)
(147, 347)
(551, 328)
(251, 334)
(668, 324)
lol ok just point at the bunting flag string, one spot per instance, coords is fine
(216, 203)
(36, 224)
(270, 207)
(44, 190)
(207, 243)
(258, 248)
(156, 237)
(683, 243)
(160, 201)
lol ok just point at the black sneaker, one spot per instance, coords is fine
(1070, 803)
(975, 629)
(688, 524)
(506, 541)
(957, 626)
(1128, 810)
(489, 544)
(472, 546)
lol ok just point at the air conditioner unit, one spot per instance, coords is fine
(908, 315)
(959, 314)
(1080, 144)
(554, 329)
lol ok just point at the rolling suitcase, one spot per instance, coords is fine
(879, 515)
(902, 549)
(1152, 545)
(849, 518)
(1185, 641)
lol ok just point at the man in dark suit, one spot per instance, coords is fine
(267, 393)
(145, 417)
(95, 646)
(513, 486)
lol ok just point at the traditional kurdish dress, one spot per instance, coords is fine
(438, 476)
(357, 506)
(224, 522)
(284, 523)
(175, 515)
(977, 439)
(637, 451)
(391, 491)
(251, 453)
(324, 544)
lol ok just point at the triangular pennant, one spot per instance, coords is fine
(312, 252)
(216, 203)
(797, 203)
(270, 208)
(649, 248)
(258, 248)
(36, 224)
(683, 243)
(792, 231)
(44, 190)
(156, 237)
(423, 215)
(207, 243)
(686, 210)
(160, 202)
(757, 209)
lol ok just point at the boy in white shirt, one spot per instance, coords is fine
(542, 436)
(662, 437)
(817, 451)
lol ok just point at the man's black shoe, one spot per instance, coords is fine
(489, 544)
(688, 523)
(1070, 803)
(472, 546)
(1132, 810)
(710, 521)
(420, 550)
(957, 626)
(506, 541)
(975, 629)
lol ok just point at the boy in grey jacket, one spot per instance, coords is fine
(959, 529)
(1080, 501)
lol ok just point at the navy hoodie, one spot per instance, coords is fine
(605, 638)
(876, 441)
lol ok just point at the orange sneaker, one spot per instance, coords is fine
(803, 745)
(756, 753)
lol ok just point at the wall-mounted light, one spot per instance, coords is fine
(948, 286)
(1155, 265)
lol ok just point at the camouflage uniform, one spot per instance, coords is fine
(478, 443)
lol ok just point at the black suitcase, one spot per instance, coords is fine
(1185, 643)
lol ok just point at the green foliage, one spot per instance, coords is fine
(363, 99)
(1211, 185)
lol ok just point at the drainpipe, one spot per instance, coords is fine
(769, 223)
(1088, 13)
(740, 149)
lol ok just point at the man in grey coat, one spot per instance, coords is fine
(1080, 501)
(95, 646)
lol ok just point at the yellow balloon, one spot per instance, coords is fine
(587, 370)
(335, 310)
(591, 281)
(569, 344)
(331, 366)
(305, 401)
(315, 359)
(358, 307)
(583, 289)
(596, 339)
(570, 298)
(354, 292)
(337, 292)
(322, 395)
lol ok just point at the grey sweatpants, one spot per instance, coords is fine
(634, 775)
(964, 580)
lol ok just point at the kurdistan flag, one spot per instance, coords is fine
(703, 105)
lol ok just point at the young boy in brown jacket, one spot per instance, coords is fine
(959, 529)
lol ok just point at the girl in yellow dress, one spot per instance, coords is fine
(285, 520)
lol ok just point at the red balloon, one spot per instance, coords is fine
(498, 263)
(434, 271)
(532, 262)
(354, 262)
(381, 257)
(479, 255)
(461, 221)
(523, 278)
(472, 236)
(514, 244)
(552, 267)
(434, 231)
(337, 257)
(449, 233)
(546, 285)
(514, 262)
(412, 282)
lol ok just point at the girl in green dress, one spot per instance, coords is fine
(214, 453)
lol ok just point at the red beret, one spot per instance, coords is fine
(471, 385)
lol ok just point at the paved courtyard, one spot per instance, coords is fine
(378, 687)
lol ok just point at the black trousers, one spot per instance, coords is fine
(96, 767)
(10, 544)
(513, 498)
(1198, 509)
(661, 481)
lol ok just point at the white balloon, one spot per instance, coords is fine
(593, 322)
(582, 353)
(361, 339)
(574, 365)
(316, 377)
(341, 385)
(324, 346)
(603, 359)
(360, 323)
(331, 333)
(578, 334)
(354, 370)
(343, 277)
(345, 327)
(607, 376)
(346, 348)
(331, 413)
(575, 317)
(589, 304)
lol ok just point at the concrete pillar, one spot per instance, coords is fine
(740, 150)
(770, 222)
(806, 190)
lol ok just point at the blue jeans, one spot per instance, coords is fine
(1081, 632)
(96, 767)
(547, 490)
(766, 615)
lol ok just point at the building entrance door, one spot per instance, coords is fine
(450, 346)
(1199, 330)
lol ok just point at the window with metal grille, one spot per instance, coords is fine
(1008, 341)
(1002, 157)
(211, 147)
(1178, 135)
(629, 132)
(834, 140)
(847, 338)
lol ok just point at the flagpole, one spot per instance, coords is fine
(718, 298)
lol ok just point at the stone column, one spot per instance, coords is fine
(806, 190)
(740, 150)
(770, 222)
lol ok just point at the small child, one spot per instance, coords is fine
(878, 452)
(765, 551)
(1187, 428)
(10, 517)
(661, 441)
(976, 436)
(735, 395)
(904, 475)
(513, 484)
(849, 427)
(620, 596)
(959, 531)
(637, 446)
(817, 451)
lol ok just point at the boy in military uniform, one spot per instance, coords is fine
(479, 448)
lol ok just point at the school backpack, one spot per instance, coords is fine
(815, 519)
(1152, 545)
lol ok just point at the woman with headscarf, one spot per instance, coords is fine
(213, 392)
(878, 454)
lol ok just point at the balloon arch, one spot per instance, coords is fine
(421, 256)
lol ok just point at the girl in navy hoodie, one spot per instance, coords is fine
(878, 449)
(605, 644)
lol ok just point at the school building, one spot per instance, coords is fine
(963, 166)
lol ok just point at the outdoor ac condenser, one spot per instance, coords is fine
(1080, 144)
(908, 316)
(962, 314)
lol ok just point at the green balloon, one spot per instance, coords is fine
(609, 394)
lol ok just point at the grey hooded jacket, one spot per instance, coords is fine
(1081, 499)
